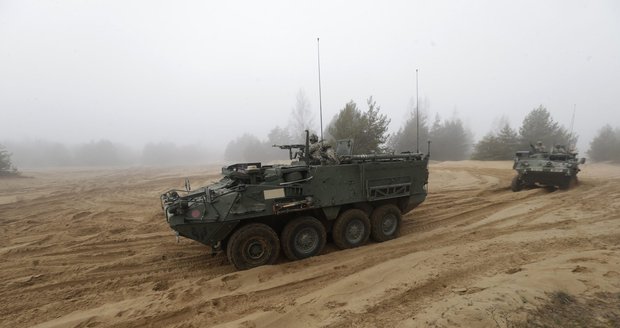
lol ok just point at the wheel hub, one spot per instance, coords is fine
(307, 240)
(256, 250)
(389, 224)
(355, 231)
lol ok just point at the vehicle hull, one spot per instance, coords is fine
(321, 191)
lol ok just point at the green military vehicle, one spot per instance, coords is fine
(256, 210)
(557, 168)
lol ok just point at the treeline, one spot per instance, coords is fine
(606, 145)
(39, 153)
(538, 125)
(451, 139)
(368, 127)
(249, 148)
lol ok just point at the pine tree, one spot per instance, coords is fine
(6, 165)
(368, 129)
(450, 140)
(539, 126)
(405, 138)
(497, 146)
(606, 145)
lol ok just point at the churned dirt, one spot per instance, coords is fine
(91, 248)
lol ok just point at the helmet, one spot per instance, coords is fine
(314, 137)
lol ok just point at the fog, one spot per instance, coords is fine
(202, 73)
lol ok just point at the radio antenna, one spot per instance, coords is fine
(318, 53)
(417, 114)
(572, 121)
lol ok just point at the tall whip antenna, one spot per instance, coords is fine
(318, 52)
(417, 114)
(572, 121)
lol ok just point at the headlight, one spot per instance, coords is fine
(196, 212)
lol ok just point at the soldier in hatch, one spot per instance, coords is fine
(560, 149)
(539, 147)
(322, 153)
(315, 147)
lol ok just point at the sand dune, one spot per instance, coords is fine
(90, 248)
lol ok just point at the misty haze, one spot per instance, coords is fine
(196, 77)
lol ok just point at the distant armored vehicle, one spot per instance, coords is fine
(557, 168)
(255, 210)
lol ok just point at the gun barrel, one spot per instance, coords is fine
(289, 146)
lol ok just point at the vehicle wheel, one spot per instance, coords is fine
(253, 245)
(570, 183)
(516, 184)
(351, 229)
(303, 237)
(385, 223)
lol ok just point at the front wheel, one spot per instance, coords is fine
(351, 229)
(303, 237)
(516, 184)
(253, 245)
(385, 222)
(570, 183)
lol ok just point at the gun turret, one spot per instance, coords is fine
(297, 154)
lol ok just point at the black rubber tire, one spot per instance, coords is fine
(351, 229)
(570, 183)
(516, 184)
(253, 245)
(385, 222)
(303, 237)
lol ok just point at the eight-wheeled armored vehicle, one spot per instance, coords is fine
(256, 210)
(557, 168)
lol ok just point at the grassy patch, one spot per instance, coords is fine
(564, 310)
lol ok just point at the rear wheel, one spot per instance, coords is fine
(516, 184)
(253, 245)
(351, 229)
(303, 237)
(385, 222)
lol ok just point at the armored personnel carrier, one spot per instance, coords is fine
(256, 210)
(557, 168)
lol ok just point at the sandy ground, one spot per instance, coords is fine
(90, 248)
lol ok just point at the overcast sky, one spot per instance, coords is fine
(185, 71)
